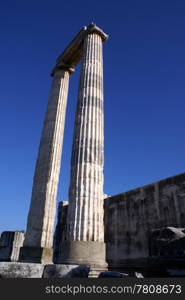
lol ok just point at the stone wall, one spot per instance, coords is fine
(10, 244)
(130, 217)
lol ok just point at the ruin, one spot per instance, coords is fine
(118, 232)
(132, 218)
(132, 221)
(85, 232)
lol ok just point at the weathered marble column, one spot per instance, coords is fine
(40, 226)
(85, 230)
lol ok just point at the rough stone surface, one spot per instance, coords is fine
(65, 271)
(130, 217)
(84, 252)
(168, 241)
(20, 270)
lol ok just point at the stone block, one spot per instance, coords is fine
(167, 242)
(84, 252)
(20, 270)
(66, 271)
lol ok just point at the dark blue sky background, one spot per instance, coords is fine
(144, 81)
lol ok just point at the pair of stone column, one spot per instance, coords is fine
(85, 233)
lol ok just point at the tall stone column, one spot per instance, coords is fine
(85, 230)
(40, 225)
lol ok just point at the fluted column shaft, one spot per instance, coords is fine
(41, 216)
(85, 215)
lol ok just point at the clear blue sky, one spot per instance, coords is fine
(144, 80)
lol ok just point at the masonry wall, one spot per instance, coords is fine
(130, 217)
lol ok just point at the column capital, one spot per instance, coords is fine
(92, 28)
(62, 66)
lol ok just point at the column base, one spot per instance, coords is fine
(84, 253)
(36, 255)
